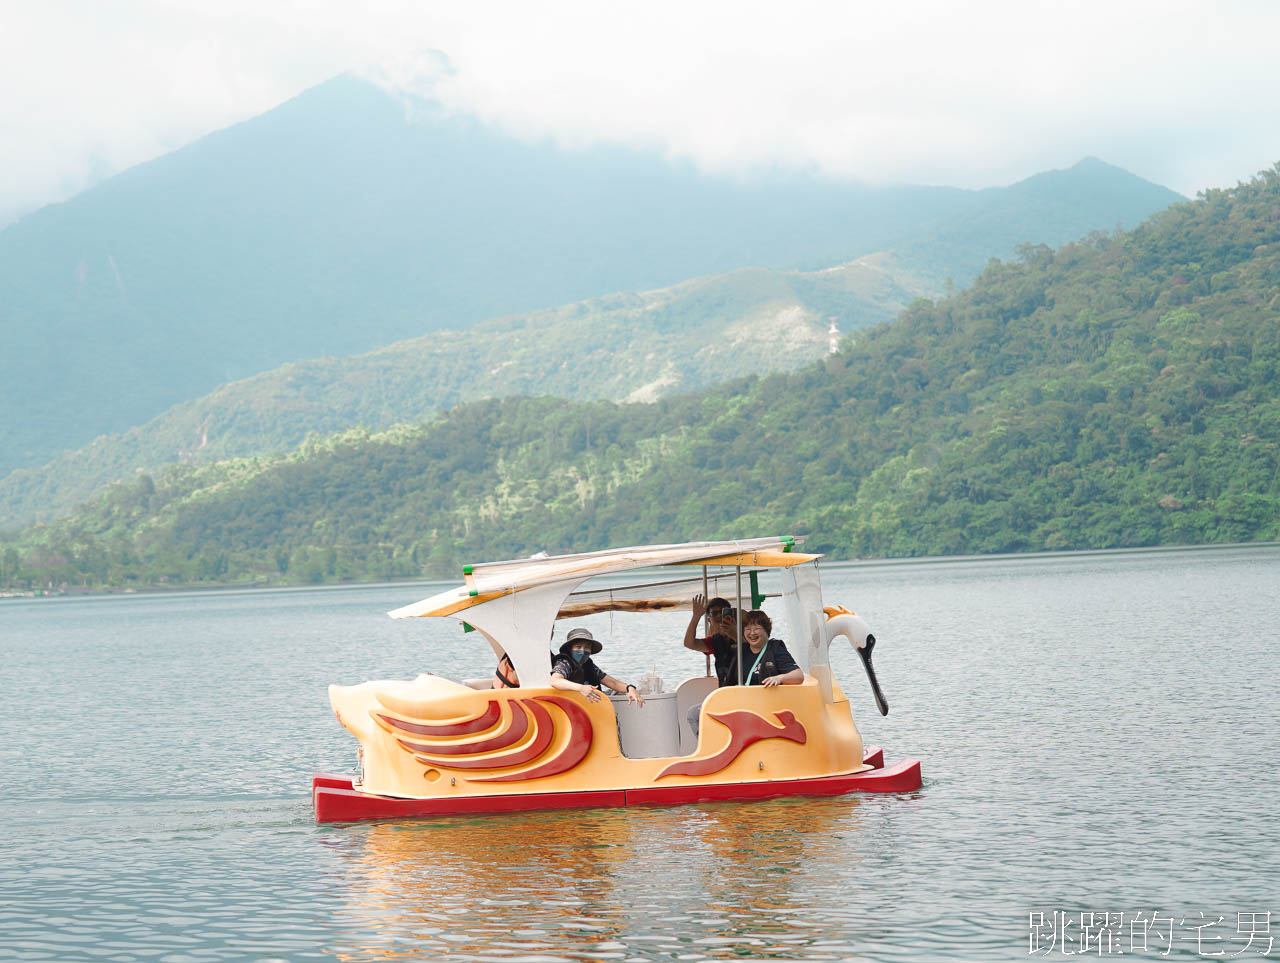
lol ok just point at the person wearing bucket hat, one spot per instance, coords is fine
(573, 669)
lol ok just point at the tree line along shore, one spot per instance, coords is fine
(1120, 391)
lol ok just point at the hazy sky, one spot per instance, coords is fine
(1184, 93)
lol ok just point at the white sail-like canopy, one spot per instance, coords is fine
(517, 602)
(485, 582)
(668, 595)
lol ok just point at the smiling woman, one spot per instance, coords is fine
(771, 663)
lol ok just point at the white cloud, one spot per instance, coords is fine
(1181, 92)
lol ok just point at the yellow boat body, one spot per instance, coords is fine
(435, 739)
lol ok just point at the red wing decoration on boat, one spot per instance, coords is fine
(478, 753)
(574, 751)
(745, 729)
(486, 720)
(505, 737)
(543, 732)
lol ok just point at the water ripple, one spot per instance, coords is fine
(1098, 734)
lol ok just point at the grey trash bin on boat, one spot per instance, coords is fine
(651, 730)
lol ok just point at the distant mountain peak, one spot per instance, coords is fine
(1090, 161)
(1092, 179)
(339, 221)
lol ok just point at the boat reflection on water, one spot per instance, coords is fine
(767, 863)
(596, 883)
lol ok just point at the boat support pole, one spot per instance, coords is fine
(737, 569)
(706, 618)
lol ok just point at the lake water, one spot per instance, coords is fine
(1098, 734)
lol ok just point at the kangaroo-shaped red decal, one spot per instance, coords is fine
(745, 729)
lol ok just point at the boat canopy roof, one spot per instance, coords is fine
(487, 582)
(667, 595)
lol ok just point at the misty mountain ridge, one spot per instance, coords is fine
(1117, 392)
(622, 347)
(339, 222)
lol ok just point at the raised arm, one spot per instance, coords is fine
(691, 641)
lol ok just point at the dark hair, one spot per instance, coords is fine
(718, 602)
(757, 617)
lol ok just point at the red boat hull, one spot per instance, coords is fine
(336, 801)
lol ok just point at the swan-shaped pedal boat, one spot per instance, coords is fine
(433, 746)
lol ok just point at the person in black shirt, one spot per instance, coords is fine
(573, 669)
(765, 661)
(719, 644)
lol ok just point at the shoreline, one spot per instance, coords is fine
(77, 592)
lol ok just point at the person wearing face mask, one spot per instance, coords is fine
(573, 669)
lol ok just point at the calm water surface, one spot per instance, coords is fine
(1097, 733)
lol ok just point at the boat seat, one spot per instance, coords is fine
(690, 693)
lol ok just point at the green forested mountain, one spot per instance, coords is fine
(1120, 391)
(347, 219)
(622, 347)
(630, 346)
